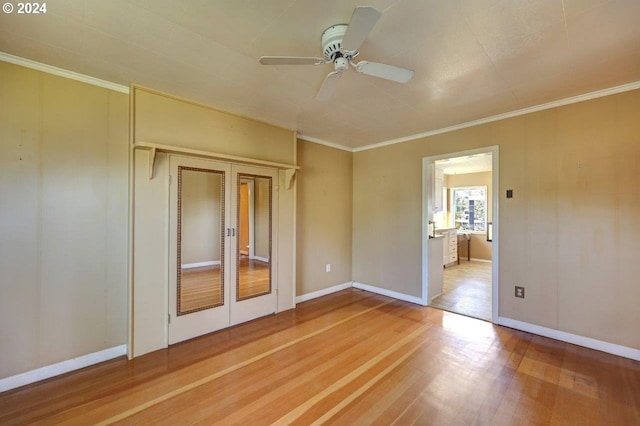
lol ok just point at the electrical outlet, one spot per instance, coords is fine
(328, 267)
(519, 292)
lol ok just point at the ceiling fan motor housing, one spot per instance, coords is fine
(331, 39)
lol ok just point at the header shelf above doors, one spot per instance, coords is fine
(153, 148)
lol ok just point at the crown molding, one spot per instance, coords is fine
(553, 104)
(325, 143)
(28, 63)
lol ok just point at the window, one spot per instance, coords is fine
(469, 208)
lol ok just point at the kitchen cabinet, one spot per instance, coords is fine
(450, 245)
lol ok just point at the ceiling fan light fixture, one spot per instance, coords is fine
(340, 45)
(341, 64)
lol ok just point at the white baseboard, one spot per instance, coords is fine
(323, 292)
(473, 259)
(61, 368)
(587, 342)
(200, 264)
(389, 293)
(261, 259)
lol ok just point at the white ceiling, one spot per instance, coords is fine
(472, 58)
(475, 163)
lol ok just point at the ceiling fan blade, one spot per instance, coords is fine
(388, 72)
(329, 86)
(291, 60)
(361, 24)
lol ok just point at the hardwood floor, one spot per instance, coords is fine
(253, 278)
(466, 290)
(201, 286)
(347, 358)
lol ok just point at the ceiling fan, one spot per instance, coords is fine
(340, 45)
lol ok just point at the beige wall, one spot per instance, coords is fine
(164, 119)
(63, 219)
(568, 235)
(160, 118)
(324, 224)
(480, 247)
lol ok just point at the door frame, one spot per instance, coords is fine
(427, 207)
(148, 298)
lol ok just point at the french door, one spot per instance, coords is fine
(222, 254)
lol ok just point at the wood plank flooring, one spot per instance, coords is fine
(200, 286)
(348, 358)
(253, 278)
(466, 290)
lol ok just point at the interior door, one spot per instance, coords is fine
(198, 266)
(253, 275)
(214, 281)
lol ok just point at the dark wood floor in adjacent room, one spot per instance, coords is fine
(348, 358)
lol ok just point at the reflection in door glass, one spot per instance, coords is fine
(254, 236)
(200, 239)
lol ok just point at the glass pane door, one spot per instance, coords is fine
(223, 228)
(253, 289)
(253, 273)
(198, 300)
(200, 239)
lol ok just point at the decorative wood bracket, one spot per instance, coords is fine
(152, 161)
(288, 177)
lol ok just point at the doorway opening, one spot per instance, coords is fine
(460, 213)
